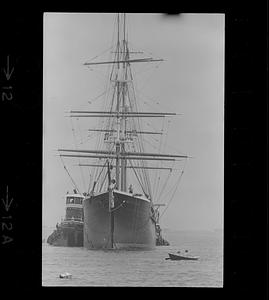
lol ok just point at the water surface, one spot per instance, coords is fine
(138, 268)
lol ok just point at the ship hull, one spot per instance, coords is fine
(134, 227)
(67, 235)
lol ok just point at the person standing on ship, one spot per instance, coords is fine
(113, 184)
(131, 189)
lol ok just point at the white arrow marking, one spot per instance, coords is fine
(7, 203)
(6, 71)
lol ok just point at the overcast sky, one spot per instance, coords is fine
(190, 81)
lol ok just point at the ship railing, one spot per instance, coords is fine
(72, 220)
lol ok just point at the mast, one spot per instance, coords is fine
(118, 110)
(111, 206)
(121, 83)
(122, 131)
(124, 108)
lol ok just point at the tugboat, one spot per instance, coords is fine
(69, 233)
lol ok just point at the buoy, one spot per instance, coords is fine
(65, 275)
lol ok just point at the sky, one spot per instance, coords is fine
(190, 81)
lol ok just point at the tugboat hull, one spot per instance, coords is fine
(70, 235)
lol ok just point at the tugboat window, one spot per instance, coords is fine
(71, 200)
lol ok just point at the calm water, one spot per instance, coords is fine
(138, 268)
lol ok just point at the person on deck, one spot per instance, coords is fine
(131, 189)
(113, 184)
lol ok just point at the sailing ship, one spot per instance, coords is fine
(69, 233)
(115, 216)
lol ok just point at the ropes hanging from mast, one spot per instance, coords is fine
(161, 149)
(75, 142)
(137, 178)
(144, 175)
(69, 175)
(175, 188)
(106, 123)
(164, 186)
(99, 174)
(158, 164)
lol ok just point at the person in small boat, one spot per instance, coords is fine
(186, 252)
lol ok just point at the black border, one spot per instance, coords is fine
(246, 148)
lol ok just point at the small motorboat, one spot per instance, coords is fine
(181, 257)
(65, 275)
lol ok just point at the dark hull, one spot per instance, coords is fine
(134, 227)
(67, 235)
(179, 257)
